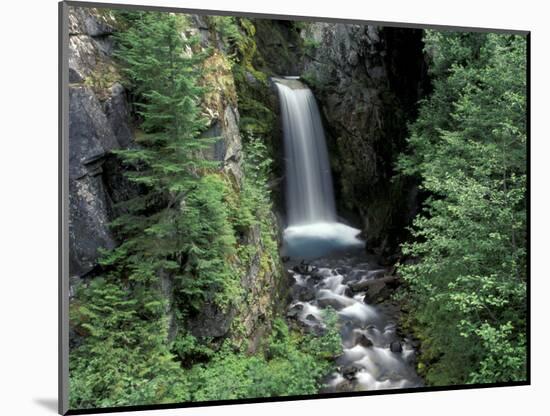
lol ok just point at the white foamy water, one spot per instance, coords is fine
(374, 356)
(318, 239)
(313, 229)
(309, 309)
(360, 312)
(369, 338)
(367, 382)
(353, 354)
(309, 191)
(334, 284)
(338, 301)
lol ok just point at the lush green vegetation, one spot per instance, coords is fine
(192, 231)
(467, 289)
(171, 261)
(125, 361)
(292, 364)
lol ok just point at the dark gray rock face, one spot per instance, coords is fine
(280, 47)
(98, 124)
(90, 42)
(116, 111)
(396, 347)
(232, 159)
(368, 80)
(210, 322)
(89, 133)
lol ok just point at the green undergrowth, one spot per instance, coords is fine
(188, 238)
(290, 364)
(118, 369)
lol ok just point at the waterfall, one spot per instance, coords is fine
(313, 229)
(309, 192)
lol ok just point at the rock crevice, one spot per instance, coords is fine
(368, 80)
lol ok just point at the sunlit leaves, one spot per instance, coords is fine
(468, 147)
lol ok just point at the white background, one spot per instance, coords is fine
(28, 208)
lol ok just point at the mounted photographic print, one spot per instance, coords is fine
(262, 208)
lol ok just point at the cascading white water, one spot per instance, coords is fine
(374, 356)
(313, 229)
(309, 193)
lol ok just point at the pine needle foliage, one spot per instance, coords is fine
(163, 228)
(123, 359)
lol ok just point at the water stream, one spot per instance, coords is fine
(329, 264)
(376, 355)
(313, 229)
(309, 192)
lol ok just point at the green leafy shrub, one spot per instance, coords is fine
(467, 289)
(293, 364)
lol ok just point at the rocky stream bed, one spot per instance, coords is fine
(377, 355)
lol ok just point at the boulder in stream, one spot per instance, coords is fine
(304, 268)
(303, 293)
(364, 341)
(311, 318)
(349, 372)
(330, 301)
(295, 310)
(396, 347)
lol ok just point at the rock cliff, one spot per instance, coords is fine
(101, 120)
(367, 80)
(98, 124)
